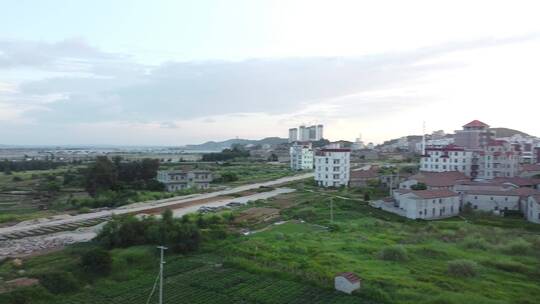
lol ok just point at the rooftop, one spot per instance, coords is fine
(429, 194)
(351, 277)
(439, 179)
(476, 124)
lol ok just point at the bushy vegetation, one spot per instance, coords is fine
(59, 282)
(236, 152)
(462, 268)
(130, 231)
(105, 174)
(8, 166)
(96, 262)
(396, 253)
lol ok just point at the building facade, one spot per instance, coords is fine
(293, 135)
(301, 156)
(532, 210)
(475, 135)
(427, 204)
(175, 180)
(332, 167)
(498, 159)
(447, 158)
(303, 133)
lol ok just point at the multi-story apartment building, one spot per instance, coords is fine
(184, 179)
(332, 167)
(293, 135)
(448, 158)
(301, 156)
(475, 135)
(303, 133)
(498, 159)
(475, 153)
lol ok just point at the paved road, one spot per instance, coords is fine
(141, 208)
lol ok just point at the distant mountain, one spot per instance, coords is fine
(505, 132)
(220, 145)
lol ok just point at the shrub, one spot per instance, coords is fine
(509, 266)
(375, 294)
(26, 295)
(462, 268)
(59, 282)
(471, 242)
(17, 179)
(518, 246)
(97, 261)
(394, 253)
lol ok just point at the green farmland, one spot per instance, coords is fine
(472, 259)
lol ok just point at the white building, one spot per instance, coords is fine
(301, 156)
(347, 282)
(332, 167)
(427, 204)
(498, 159)
(303, 133)
(293, 135)
(183, 179)
(532, 210)
(448, 158)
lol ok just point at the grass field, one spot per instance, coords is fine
(399, 260)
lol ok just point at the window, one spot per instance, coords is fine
(336, 176)
(336, 161)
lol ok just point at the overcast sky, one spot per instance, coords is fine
(178, 72)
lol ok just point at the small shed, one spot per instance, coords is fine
(347, 282)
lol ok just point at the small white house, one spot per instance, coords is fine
(532, 210)
(347, 282)
(427, 204)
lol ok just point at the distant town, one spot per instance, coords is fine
(227, 196)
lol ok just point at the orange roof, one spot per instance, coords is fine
(351, 277)
(429, 194)
(439, 179)
(476, 123)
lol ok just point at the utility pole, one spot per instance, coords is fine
(331, 210)
(161, 263)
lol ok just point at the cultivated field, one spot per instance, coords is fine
(472, 259)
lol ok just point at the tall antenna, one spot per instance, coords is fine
(424, 138)
(161, 263)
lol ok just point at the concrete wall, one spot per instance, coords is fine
(532, 210)
(417, 208)
(490, 203)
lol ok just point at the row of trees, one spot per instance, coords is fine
(180, 235)
(226, 154)
(105, 174)
(8, 166)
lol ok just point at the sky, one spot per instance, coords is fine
(130, 72)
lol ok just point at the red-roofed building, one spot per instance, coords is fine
(435, 180)
(427, 204)
(474, 135)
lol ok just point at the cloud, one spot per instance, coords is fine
(112, 88)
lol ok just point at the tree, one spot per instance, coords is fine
(59, 282)
(97, 261)
(229, 177)
(101, 175)
(419, 186)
